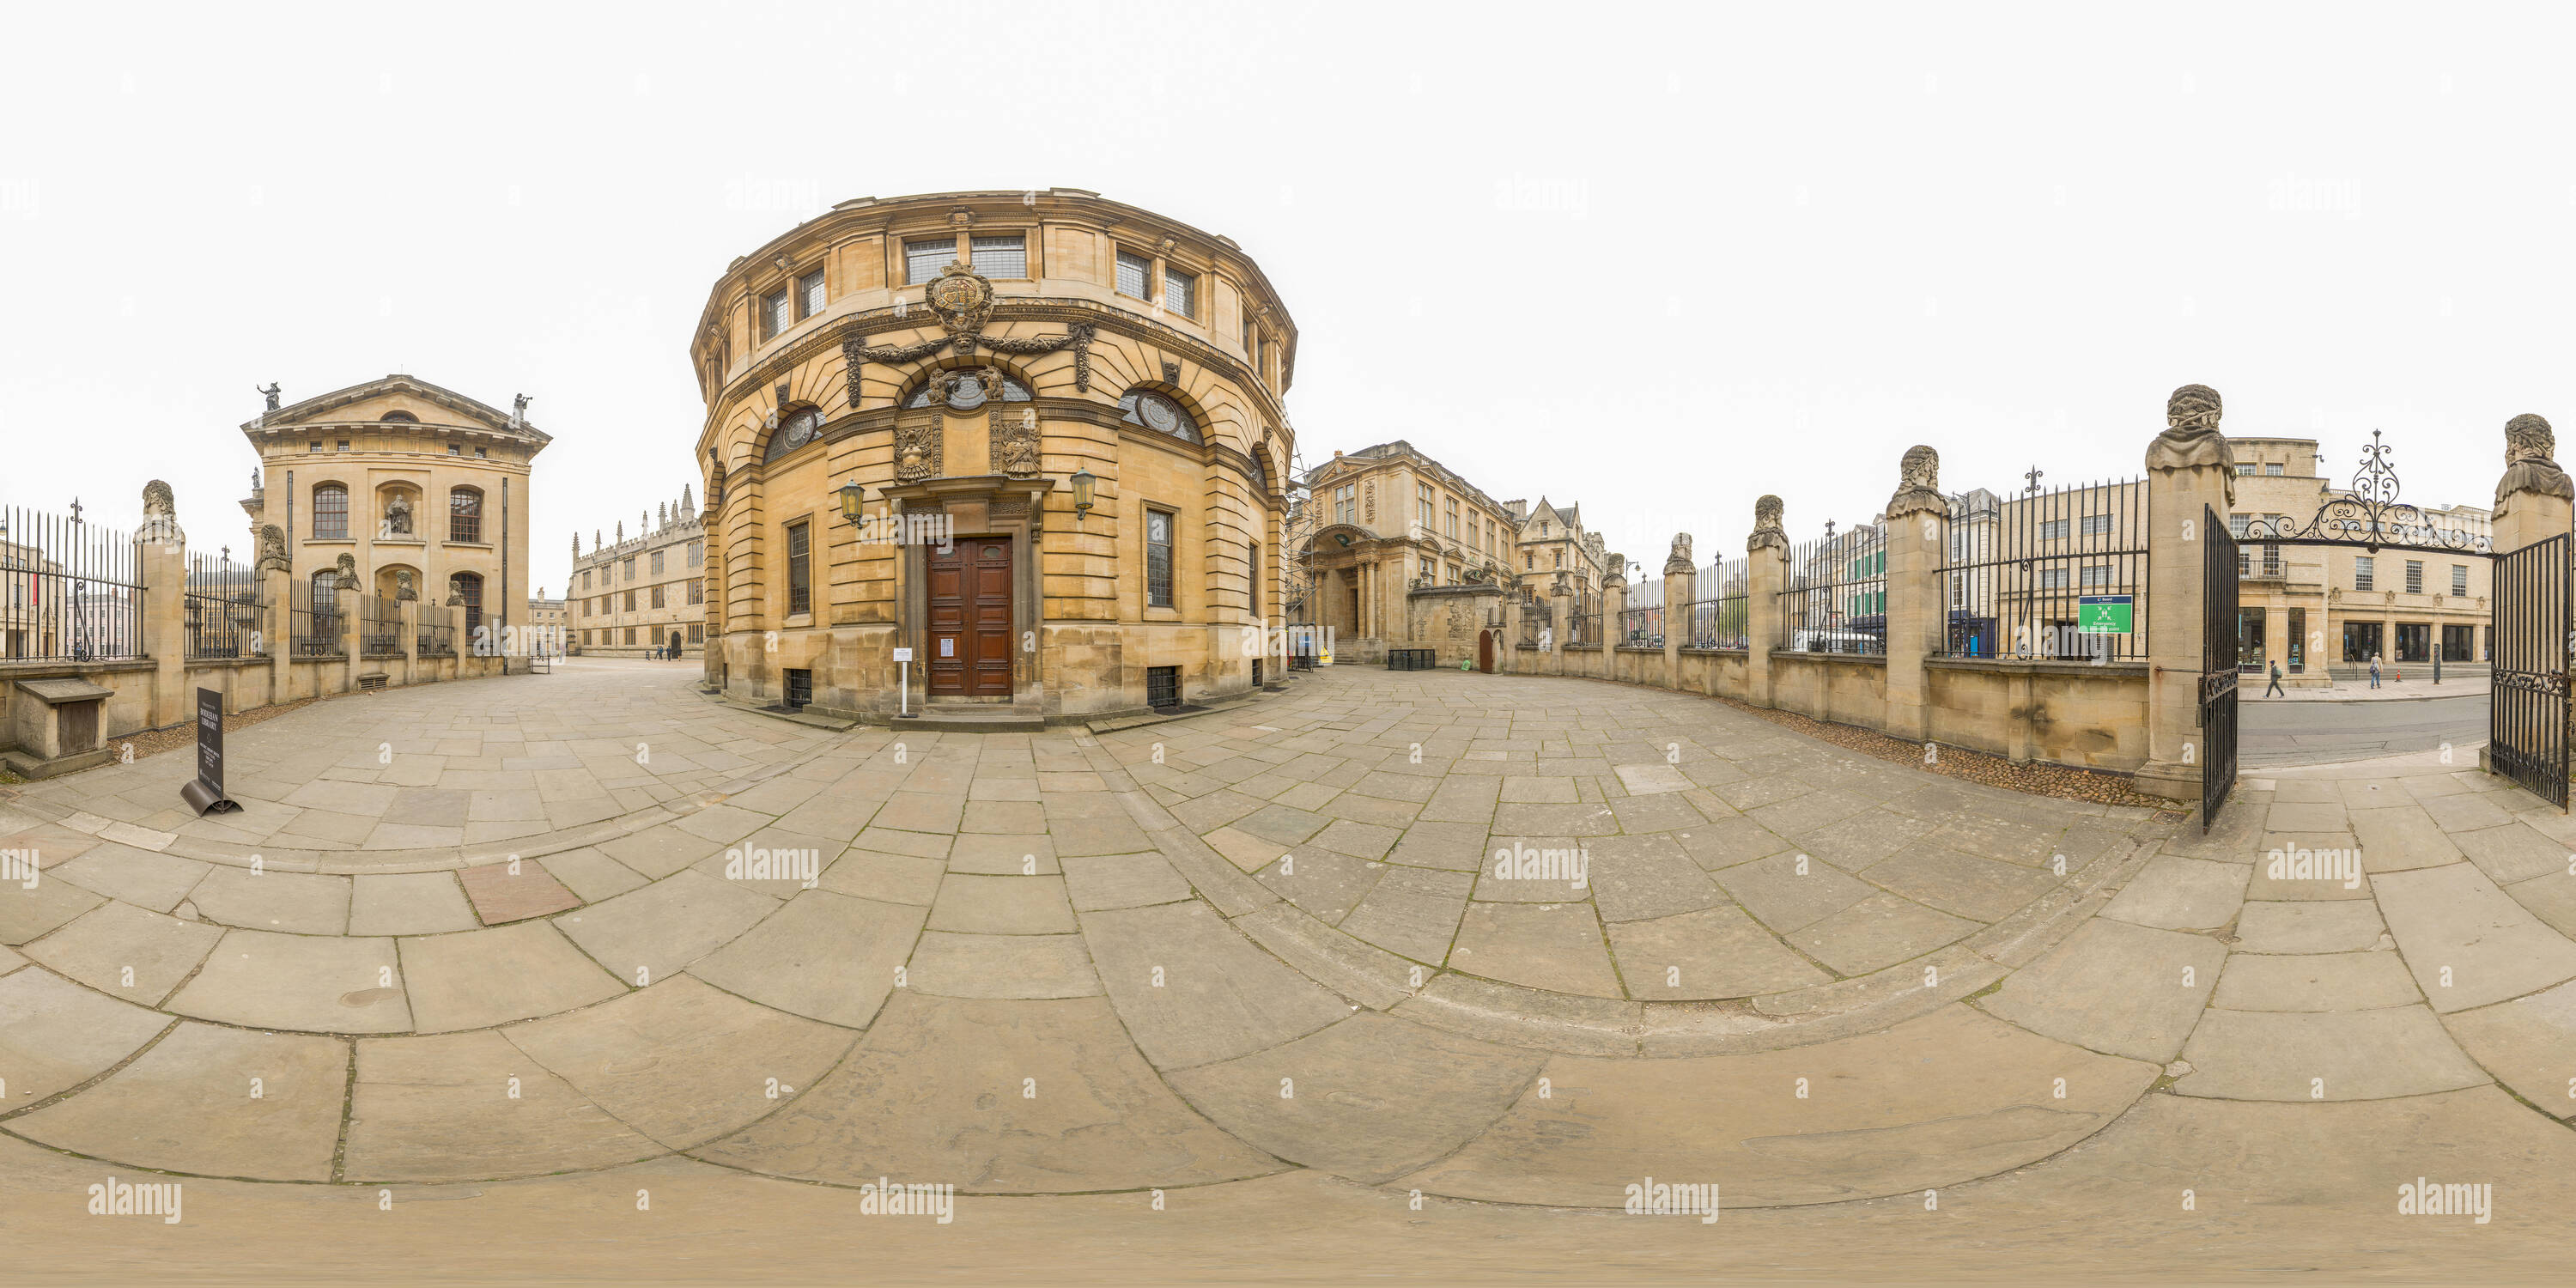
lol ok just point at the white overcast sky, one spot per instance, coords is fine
(1655, 260)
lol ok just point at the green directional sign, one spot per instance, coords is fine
(2103, 614)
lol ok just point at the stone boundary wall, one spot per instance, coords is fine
(159, 689)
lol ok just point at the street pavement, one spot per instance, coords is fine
(546, 942)
(2313, 732)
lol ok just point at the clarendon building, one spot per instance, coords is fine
(415, 491)
(2315, 607)
(1389, 537)
(1034, 439)
(645, 592)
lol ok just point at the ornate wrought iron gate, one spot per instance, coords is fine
(2218, 658)
(2527, 712)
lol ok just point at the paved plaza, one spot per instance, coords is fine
(1476, 940)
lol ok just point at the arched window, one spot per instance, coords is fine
(1260, 475)
(970, 393)
(468, 586)
(794, 432)
(402, 416)
(465, 515)
(330, 512)
(1158, 413)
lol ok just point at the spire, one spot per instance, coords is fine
(688, 505)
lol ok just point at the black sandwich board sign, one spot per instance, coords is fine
(205, 792)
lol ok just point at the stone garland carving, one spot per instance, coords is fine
(1014, 442)
(1679, 561)
(2191, 437)
(963, 299)
(1766, 526)
(917, 449)
(1368, 501)
(1918, 484)
(2530, 447)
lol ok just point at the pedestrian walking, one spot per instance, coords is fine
(2275, 685)
(2374, 670)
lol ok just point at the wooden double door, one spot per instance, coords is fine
(970, 618)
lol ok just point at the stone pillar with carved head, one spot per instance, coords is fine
(1678, 571)
(2532, 503)
(1766, 572)
(2191, 482)
(161, 567)
(1614, 606)
(1917, 516)
(1560, 600)
(276, 578)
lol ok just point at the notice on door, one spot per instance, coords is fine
(948, 646)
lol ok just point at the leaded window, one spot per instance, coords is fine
(922, 260)
(465, 515)
(1133, 272)
(800, 571)
(809, 294)
(1158, 413)
(1006, 256)
(1180, 292)
(773, 314)
(1158, 559)
(794, 432)
(331, 512)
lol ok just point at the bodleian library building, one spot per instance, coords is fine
(642, 595)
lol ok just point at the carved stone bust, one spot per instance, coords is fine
(1918, 483)
(2191, 437)
(1766, 525)
(348, 569)
(2529, 450)
(1679, 561)
(158, 504)
(403, 587)
(272, 547)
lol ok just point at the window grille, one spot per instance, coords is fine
(1002, 256)
(1180, 292)
(922, 260)
(1133, 271)
(1158, 559)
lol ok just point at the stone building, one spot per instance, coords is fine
(1034, 438)
(419, 491)
(1552, 539)
(2319, 609)
(1388, 525)
(644, 592)
(546, 614)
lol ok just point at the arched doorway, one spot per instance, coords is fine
(675, 644)
(1485, 652)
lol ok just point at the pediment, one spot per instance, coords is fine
(396, 397)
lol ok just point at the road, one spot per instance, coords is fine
(2315, 733)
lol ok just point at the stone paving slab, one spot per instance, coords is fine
(2308, 927)
(485, 977)
(470, 1106)
(683, 1062)
(311, 983)
(1031, 1096)
(1370, 1097)
(55, 1035)
(2466, 942)
(657, 931)
(2339, 1055)
(415, 903)
(825, 956)
(2358, 981)
(1192, 990)
(1940, 1100)
(129, 953)
(188, 1105)
(2117, 988)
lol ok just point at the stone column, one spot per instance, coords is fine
(278, 627)
(411, 639)
(1916, 606)
(2191, 482)
(2533, 499)
(1766, 571)
(161, 568)
(344, 598)
(1614, 602)
(1677, 592)
(1561, 599)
